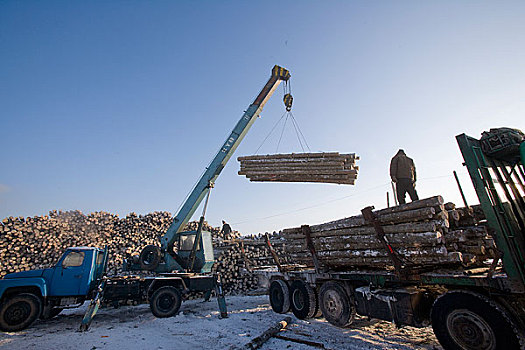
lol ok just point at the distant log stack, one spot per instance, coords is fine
(301, 167)
(236, 259)
(38, 242)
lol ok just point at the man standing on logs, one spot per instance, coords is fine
(403, 174)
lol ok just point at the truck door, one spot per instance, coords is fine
(69, 273)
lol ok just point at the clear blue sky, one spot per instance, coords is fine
(120, 105)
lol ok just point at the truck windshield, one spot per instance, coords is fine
(186, 242)
(73, 259)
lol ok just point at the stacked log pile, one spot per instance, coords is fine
(216, 233)
(301, 167)
(415, 230)
(236, 259)
(38, 242)
(469, 235)
(419, 231)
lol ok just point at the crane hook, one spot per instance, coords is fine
(288, 100)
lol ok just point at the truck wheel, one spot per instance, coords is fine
(337, 307)
(469, 321)
(302, 300)
(19, 312)
(149, 258)
(280, 296)
(165, 302)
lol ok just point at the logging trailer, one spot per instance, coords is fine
(469, 309)
(183, 263)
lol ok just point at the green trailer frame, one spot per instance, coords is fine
(500, 188)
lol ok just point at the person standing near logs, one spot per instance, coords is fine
(403, 174)
(226, 230)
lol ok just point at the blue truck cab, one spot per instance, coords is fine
(28, 295)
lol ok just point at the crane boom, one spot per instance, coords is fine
(194, 252)
(221, 158)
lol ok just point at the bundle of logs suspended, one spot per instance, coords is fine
(419, 232)
(301, 167)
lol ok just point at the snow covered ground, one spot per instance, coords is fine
(199, 327)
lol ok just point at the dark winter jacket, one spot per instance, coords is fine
(226, 229)
(402, 167)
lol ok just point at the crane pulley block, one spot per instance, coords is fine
(288, 100)
(281, 73)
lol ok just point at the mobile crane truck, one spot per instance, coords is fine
(469, 309)
(183, 263)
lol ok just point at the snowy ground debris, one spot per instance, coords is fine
(199, 327)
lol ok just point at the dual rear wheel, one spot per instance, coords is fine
(303, 300)
(461, 320)
(298, 296)
(332, 302)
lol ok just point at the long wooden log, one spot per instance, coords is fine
(371, 253)
(298, 163)
(307, 171)
(343, 246)
(435, 201)
(342, 176)
(302, 163)
(299, 167)
(272, 179)
(257, 342)
(411, 227)
(381, 261)
(369, 242)
(387, 219)
(297, 156)
(301, 179)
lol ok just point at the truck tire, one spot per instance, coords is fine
(149, 257)
(303, 300)
(165, 302)
(337, 307)
(19, 312)
(279, 296)
(464, 320)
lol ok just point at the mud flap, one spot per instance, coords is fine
(221, 300)
(207, 295)
(92, 308)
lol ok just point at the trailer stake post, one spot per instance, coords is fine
(380, 233)
(310, 245)
(274, 254)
